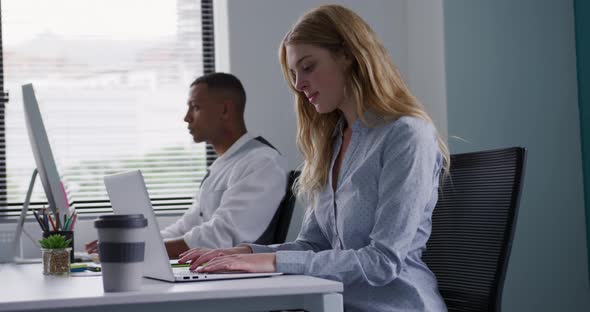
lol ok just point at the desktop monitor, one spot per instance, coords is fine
(46, 169)
(44, 160)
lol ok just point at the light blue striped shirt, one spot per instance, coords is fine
(371, 232)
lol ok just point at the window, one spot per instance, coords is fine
(111, 78)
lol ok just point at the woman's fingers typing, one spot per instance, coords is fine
(221, 264)
(254, 263)
(199, 257)
(205, 258)
(193, 252)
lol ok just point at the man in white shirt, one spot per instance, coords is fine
(243, 187)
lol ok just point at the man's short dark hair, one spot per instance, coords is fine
(228, 84)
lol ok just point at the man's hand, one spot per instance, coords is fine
(175, 247)
(91, 247)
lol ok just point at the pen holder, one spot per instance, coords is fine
(68, 235)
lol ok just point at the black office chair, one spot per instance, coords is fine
(276, 232)
(473, 226)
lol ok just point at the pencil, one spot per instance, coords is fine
(57, 223)
(74, 218)
(52, 224)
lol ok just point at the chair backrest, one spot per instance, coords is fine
(276, 232)
(473, 226)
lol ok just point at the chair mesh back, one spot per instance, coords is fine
(472, 227)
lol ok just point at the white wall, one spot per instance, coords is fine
(425, 69)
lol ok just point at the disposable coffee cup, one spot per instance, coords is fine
(121, 248)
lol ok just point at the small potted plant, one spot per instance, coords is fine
(55, 252)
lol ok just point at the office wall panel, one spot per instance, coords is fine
(511, 80)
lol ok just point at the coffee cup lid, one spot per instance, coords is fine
(128, 221)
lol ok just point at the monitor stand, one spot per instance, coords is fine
(21, 222)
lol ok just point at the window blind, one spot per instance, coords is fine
(112, 86)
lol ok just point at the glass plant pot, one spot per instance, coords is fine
(56, 261)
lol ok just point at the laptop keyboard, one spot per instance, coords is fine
(185, 271)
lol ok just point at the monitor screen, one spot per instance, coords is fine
(44, 160)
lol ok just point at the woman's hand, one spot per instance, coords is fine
(251, 263)
(199, 256)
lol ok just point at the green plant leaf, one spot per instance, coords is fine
(55, 241)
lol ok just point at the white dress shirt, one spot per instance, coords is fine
(238, 198)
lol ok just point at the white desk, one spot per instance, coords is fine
(25, 288)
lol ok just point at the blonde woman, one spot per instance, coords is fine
(370, 175)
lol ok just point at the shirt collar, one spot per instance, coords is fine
(233, 149)
(373, 119)
(339, 126)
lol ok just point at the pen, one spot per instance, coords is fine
(93, 267)
(39, 221)
(78, 267)
(67, 223)
(45, 220)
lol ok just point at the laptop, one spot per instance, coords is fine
(128, 195)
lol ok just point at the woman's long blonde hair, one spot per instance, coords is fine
(374, 83)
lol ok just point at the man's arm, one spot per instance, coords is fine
(187, 221)
(175, 247)
(246, 207)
